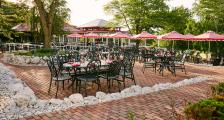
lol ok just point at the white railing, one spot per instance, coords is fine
(21, 46)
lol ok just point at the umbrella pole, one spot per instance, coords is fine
(107, 41)
(173, 45)
(145, 42)
(188, 44)
(209, 47)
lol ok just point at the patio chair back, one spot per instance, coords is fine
(114, 68)
(52, 68)
(93, 68)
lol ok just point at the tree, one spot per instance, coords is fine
(11, 15)
(210, 12)
(137, 15)
(47, 11)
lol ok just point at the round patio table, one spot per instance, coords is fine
(79, 66)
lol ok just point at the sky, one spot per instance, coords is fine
(83, 11)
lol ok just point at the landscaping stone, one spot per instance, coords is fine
(100, 95)
(35, 60)
(24, 60)
(76, 98)
(90, 100)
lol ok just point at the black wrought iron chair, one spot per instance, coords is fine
(91, 75)
(179, 64)
(126, 71)
(167, 62)
(149, 60)
(56, 76)
(112, 74)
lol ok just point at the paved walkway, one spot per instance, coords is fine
(37, 78)
(153, 106)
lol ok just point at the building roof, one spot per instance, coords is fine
(22, 27)
(95, 23)
(69, 28)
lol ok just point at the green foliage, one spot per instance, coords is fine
(208, 109)
(137, 15)
(39, 52)
(62, 16)
(218, 89)
(11, 15)
(131, 115)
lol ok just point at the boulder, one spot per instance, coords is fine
(22, 100)
(35, 60)
(100, 95)
(28, 60)
(90, 100)
(76, 98)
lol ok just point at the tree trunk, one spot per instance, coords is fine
(46, 19)
(47, 39)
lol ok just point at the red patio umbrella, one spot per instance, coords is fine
(91, 35)
(209, 36)
(172, 36)
(74, 35)
(144, 35)
(119, 35)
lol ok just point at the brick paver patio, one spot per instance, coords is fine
(150, 106)
(37, 78)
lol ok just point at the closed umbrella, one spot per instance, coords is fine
(144, 35)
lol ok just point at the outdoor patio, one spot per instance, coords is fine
(149, 106)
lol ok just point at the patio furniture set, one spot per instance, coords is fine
(112, 65)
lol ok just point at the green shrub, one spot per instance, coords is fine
(218, 89)
(39, 52)
(209, 109)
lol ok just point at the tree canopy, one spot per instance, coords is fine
(11, 15)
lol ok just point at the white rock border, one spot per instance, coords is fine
(22, 60)
(18, 100)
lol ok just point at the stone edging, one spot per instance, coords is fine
(19, 60)
(20, 101)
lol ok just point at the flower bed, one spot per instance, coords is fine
(18, 100)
